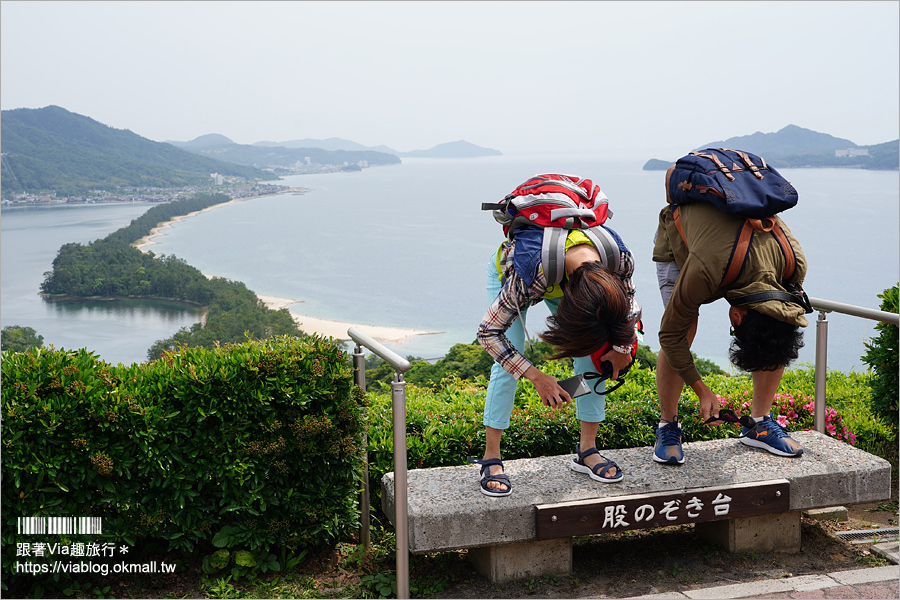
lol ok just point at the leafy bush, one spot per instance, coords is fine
(246, 447)
(462, 361)
(882, 356)
(469, 361)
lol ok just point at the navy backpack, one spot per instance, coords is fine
(740, 184)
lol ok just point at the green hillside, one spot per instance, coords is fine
(53, 149)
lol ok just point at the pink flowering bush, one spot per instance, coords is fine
(795, 414)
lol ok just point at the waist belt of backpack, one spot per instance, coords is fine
(741, 249)
(793, 294)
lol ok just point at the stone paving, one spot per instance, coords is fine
(875, 583)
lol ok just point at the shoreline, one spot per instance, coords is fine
(159, 230)
(306, 323)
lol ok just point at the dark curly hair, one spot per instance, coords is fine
(594, 309)
(763, 343)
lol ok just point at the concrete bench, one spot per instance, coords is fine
(740, 497)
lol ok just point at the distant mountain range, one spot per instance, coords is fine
(329, 144)
(458, 149)
(53, 149)
(794, 146)
(281, 157)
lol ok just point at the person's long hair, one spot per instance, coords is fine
(763, 343)
(594, 308)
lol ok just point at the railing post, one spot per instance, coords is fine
(401, 505)
(824, 306)
(359, 375)
(398, 411)
(821, 370)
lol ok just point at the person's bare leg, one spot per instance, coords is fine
(588, 439)
(765, 385)
(492, 450)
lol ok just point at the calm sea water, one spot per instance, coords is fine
(116, 330)
(407, 246)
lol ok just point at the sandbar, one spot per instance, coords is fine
(148, 240)
(307, 324)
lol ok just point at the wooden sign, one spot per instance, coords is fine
(643, 511)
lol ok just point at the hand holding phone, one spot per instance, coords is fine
(575, 386)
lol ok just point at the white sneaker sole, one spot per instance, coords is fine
(587, 471)
(667, 461)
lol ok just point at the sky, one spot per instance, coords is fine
(652, 79)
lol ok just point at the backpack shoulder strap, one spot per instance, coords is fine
(739, 253)
(676, 215)
(553, 251)
(605, 243)
(553, 254)
(790, 258)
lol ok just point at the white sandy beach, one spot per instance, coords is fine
(307, 324)
(338, 329)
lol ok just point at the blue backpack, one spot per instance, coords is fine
(740, 184)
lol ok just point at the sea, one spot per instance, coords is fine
(408, 246)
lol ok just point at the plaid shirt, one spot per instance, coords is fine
(515, 297)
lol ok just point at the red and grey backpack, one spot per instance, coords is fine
(559, 204)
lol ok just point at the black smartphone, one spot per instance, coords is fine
(575, 386)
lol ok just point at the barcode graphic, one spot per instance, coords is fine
(60, 525)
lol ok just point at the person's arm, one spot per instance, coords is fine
(692, 289)
(510, 302)
(500, 315)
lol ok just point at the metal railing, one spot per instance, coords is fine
(826, 306)
(398, 413)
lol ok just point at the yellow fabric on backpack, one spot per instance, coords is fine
(574, 238)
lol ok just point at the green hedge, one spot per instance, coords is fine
(882, 355)
(254, 446)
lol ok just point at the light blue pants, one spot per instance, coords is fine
(501, 392)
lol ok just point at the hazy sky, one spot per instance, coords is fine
(651, 79)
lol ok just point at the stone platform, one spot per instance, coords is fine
(448, 512)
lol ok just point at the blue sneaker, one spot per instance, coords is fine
(771, 436)
(668, 444)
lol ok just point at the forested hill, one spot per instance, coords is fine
(794, 146)
(53, 149)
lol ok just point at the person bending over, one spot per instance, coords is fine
(590, 307)
(766, 334)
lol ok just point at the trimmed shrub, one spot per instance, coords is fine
(254, 446)
(882, 356)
